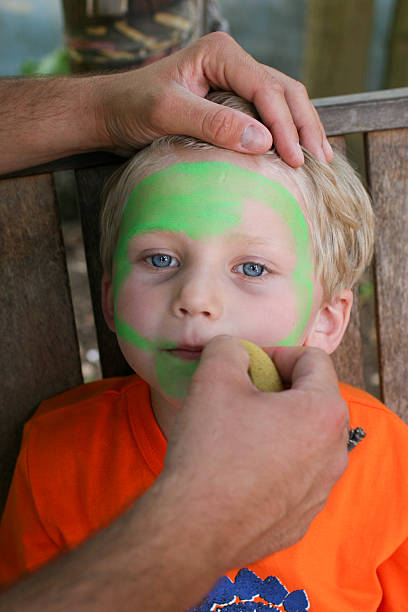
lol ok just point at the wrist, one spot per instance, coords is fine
(94, 93)
(87, 114)
(187, 519)
(173, 544)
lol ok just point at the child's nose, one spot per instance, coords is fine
(198, 297)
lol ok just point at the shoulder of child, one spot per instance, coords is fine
(86, 392)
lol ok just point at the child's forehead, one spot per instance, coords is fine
(207, 195)
(265, 166)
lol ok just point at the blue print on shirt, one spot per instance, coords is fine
(239, 595)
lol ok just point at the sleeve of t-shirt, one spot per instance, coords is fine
(393, 575)
(24, 543)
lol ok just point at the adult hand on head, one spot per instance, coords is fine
(168, 98)
(255, 468)
(49, 118)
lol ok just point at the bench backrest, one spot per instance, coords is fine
(39, 355)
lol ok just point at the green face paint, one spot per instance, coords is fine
(205, 199)
(174, 374)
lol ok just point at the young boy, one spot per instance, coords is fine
(196, 242)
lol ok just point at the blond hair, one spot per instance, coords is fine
(338, 210)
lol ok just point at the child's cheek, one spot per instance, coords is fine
(274, 319)
(132, 305)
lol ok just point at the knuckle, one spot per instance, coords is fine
(300, 88)
(332, 417)
(218, 39)
(277, 87)
(218, 126)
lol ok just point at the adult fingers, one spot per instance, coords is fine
(282, 102)
(306, 118)
(296, 105)
(314, 384)
(304, 367)
(272, 106)
(227, 66)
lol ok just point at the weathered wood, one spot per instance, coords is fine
(348, 357)
(39, 354)
(73, 162)
(339, 143)
(90, 183)
(387, 163)
(377, 110)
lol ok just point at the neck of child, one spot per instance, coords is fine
(164, 411)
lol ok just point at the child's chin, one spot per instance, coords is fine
(174, 375)
(174, 401)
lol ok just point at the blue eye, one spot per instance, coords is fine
(162, 260)
(252, 269)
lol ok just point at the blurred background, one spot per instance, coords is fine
(335, 47)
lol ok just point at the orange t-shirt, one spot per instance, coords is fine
(89, 453)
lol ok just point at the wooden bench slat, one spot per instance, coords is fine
(89, 184)
(39, 356)
(376, 110)
(387, 164)
(348, 357)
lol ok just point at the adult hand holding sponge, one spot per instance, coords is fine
(262, 370)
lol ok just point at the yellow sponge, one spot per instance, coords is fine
(261, 368)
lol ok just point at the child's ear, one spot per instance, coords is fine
(330, 323)
(107, 301)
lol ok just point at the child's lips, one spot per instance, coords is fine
(189, 353)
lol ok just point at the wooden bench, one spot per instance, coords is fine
(39, 354)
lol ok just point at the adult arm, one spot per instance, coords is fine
(199, 519)
(48, 118)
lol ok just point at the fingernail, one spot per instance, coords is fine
(254, 139)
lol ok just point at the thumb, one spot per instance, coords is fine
(223, 365)
(217, 124)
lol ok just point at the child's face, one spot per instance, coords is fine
(209, 248)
